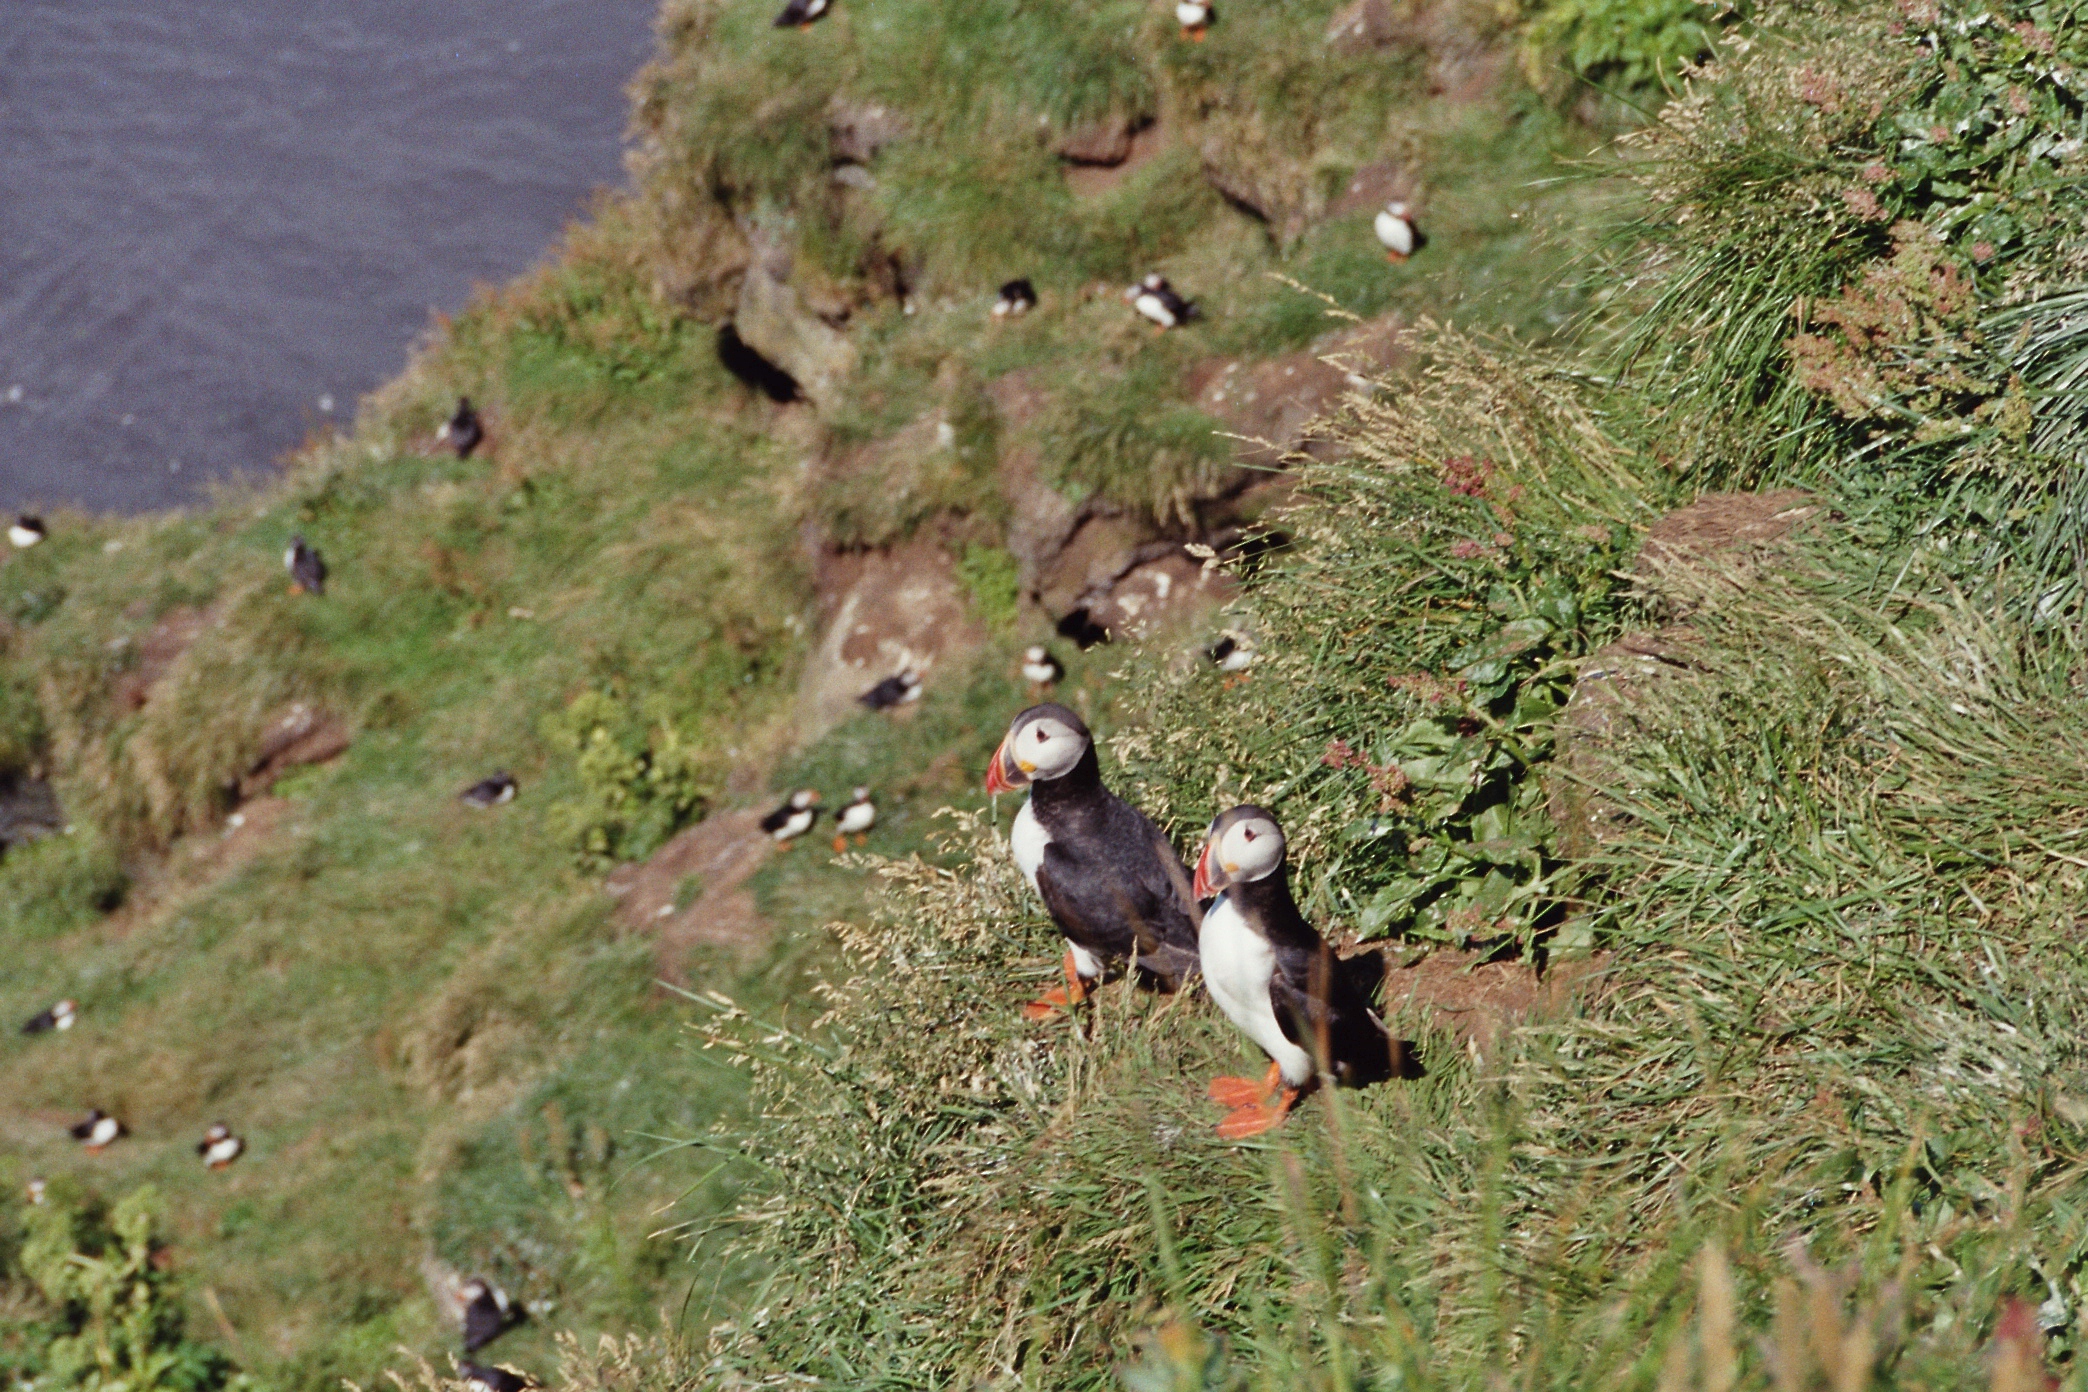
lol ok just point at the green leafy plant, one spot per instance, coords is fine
(990, 577)
(642, 779)
(106, 1318)
(1633, 43)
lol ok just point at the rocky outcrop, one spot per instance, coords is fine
(693, 892)
(296, 737)
(884, 611)
(29, 810)
(771, 320)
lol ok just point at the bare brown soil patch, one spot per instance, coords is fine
(1132, 149)
(158, 651)
(1476, 1000)
(704, 870)
(298, 736)
(1720, 525)
(885, 611)
(1269, 403)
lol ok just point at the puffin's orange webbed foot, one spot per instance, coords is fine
(1252, 1121)
(1235, 1092)
(1238, 1093)
(840, 844)
(1058, 998)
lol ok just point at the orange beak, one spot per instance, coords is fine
(1201, 888)
(997, 771)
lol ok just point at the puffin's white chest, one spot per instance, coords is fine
(795, 825)
(1039, 672)
(1154, 308)
(104, 1132)
(223, 1152)
(1238, 964)
(1396, 233)
(857, 817)
(1191, 13)
(1027, 839)
(22, 538)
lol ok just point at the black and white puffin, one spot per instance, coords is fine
(1234, 652)
(1396, 231)
(307, 568)
(463, 431)
(25, 531)
(794, 818)
(58, 1017)
(1040, 669)
(487, 1313)
(855, 820)
(1113, 883)
(1156, 300)
(1278, 981)
(490, 1379)
(97, 1131)
(490, 792)
(219, 1147)
(802, 14)
(892, 691)
(1195, 18)
(1017, 297)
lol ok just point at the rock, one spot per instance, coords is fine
(1094, 178)
(1274, 400)
(771, 320)
(298, 736)
(1105, 142)
(29, 810)
(856, 131)
(692, 892)
(1152, 590)
(1361, 27)
(886, 610)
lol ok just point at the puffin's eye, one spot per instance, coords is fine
(1041, 736)
(1247, 832)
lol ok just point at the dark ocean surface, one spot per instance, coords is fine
(223, 220)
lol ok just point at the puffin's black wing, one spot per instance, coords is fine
(37, 1024)
(794, 13)
(309, 571)
(492, 1379)
(1133, 903)
(82, 1130)
(483, 1322)
(889, 692)
(1323, 1004)
(465, 432)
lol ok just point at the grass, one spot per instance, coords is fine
(442, 1047)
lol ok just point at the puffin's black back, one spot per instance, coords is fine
(1324, 1002)
(1113, 882)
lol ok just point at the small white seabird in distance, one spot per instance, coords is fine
(855, 820)
(1396, 231)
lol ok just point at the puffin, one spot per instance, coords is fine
(1111, 881)
(488, 1379)
(793, 819)
(892, 691)
(1233, 652)
(307, 568)
(463, 431)
(1156, 300)
(855, 820)
(37, 1190)
(26, 531)
(802, 14)
(58, 1017)
(97, 1131)
(1040, 669)
(1395, 229)
(490, 792)
(1195, 18)
(219, 1147)
(487, 1313)
(1017, 297)
(1278, 981)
